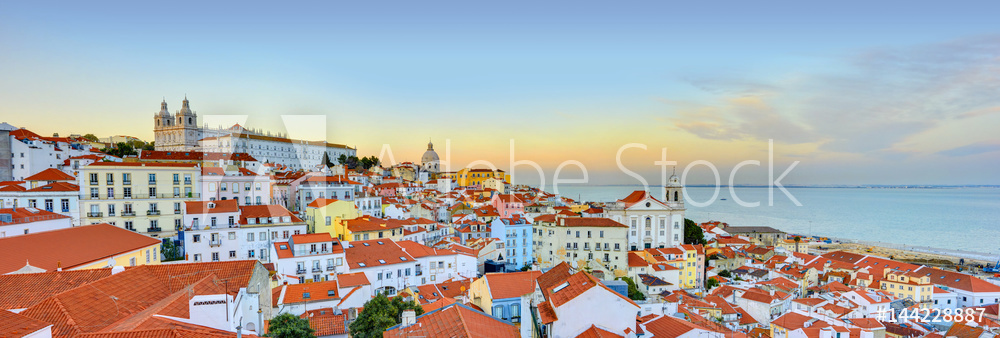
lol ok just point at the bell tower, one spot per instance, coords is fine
(674, 192)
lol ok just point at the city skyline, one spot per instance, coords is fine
(891, 94)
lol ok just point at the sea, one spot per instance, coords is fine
(946, 218)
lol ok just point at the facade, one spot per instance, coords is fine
(31, 153)
(475, 177)
(598, 243)
(291, 153)
(505, 296)
(652, 223)
(438, 265)
(217, 231)
(235, 184)
(518, 236)
(328, 215)
(309, 258)
(387, 266)
(143, 197)
(58, 197)
(24, 221)
(577, 303)
(337, 187)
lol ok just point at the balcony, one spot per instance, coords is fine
(300, 271)
(154, 229)
(330, 268)
(215, 242)
(317, 269)
(93, 182)
(127, 182)
(177, 182)
(128, 213)
(95, 214)
(418, 273)
(152, 213)
(187, 182)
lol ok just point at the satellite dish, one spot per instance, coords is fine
(111, 262)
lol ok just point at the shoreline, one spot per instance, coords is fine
(918, 255)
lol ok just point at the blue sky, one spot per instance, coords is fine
(889, 92)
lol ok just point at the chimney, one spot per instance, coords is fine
(409, 318)
(58, 265)
(117, 269)
(771, 291)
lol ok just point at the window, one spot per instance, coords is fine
(64, 203)
(232, 235)
(93, 193)
(152, 178)
(93, 176)
(126, 178)
(498, 312)
(131, 261)
(48, 205)
(196, 238)
(177, 178)
(250, 253)
(147, 256)
(127, 192)
(232, 254)
(197, 257)
(215, 256)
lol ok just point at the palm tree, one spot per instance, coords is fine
(797, 240)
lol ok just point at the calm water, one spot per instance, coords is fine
(962, 219)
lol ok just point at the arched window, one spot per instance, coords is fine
(676, 194)
(157, 123)
(251, 327)
(649, 221)
(189, 121)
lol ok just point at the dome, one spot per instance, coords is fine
(674, 181)
(430, 155)
(163, 109)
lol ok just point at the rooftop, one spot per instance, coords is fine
(71, 247)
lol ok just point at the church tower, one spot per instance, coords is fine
(674, 192)
(177, 133)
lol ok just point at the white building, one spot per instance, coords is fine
(23, 221)
(59, 197)
(652, 223)
(387, 266)
(223, 231)
(219, 184)
(581, 301)
(438, 265)
(337, 187)
(309, 258)
(32, 153)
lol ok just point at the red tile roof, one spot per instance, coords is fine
(547, 313)
(15, 325)
(202, 207)
(26, 215)
(638, 196)
(56, 186)
(269, 210)
(669, 326)
(70, 247)
(332, 179)
(418, 250)
(596, 332)
(352, 279)
(512, 284)
(321, 202)
(50, 174)
(371, 251)
(590, 222)
(316, 291)
(326, 321)
(315, 238)
(27, 289)
(456, 321)
(155, 155)
(142, 164)
(576, 285)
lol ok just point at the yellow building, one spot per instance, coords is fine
(495, 184)
(595, 242)
(475, 177)
(327, 215)
(908, 284)
(138, 196)
(694, 266)
(366, 227)
(78, 248)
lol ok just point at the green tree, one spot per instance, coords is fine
(121, 149)
(379, 314)
(170, 251)
(287, 325)
(693, 233)
(797, 240)
(326, 160)
(90, 137)
(342, 159)
(725, 273)
(633, 290)
(711, 283)
(526, 267)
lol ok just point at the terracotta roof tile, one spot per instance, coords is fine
(50, 174)
(352, 279)
(56, 186)
(326, 321)
(15, 325)
(70, 247)
(455, 320)
(512, 284)
(596, 332)
(309, 292)
(24, 290)
(362, 254)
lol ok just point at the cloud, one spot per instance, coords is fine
(872, 101)
(971, 149)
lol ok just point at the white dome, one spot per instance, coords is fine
(430, 155)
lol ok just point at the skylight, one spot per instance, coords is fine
(402, 258)
(283, 247)
(305, 295)
(366, 244)
(361, 264)
(381, 261)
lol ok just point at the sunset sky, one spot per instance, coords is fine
(888, 92)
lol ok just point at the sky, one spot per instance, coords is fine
(893, 92)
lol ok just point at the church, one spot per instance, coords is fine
(653, 222)
(180, 132)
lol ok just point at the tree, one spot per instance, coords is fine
(379, 314)
(121, 149)
(711, 283)
(693, 233)
(797, 240)
(725, 273)
(326, 160)
(633, 290)
(342, 159)
(170, 251)
(526, 267)
(90, 137)
(287, 325)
